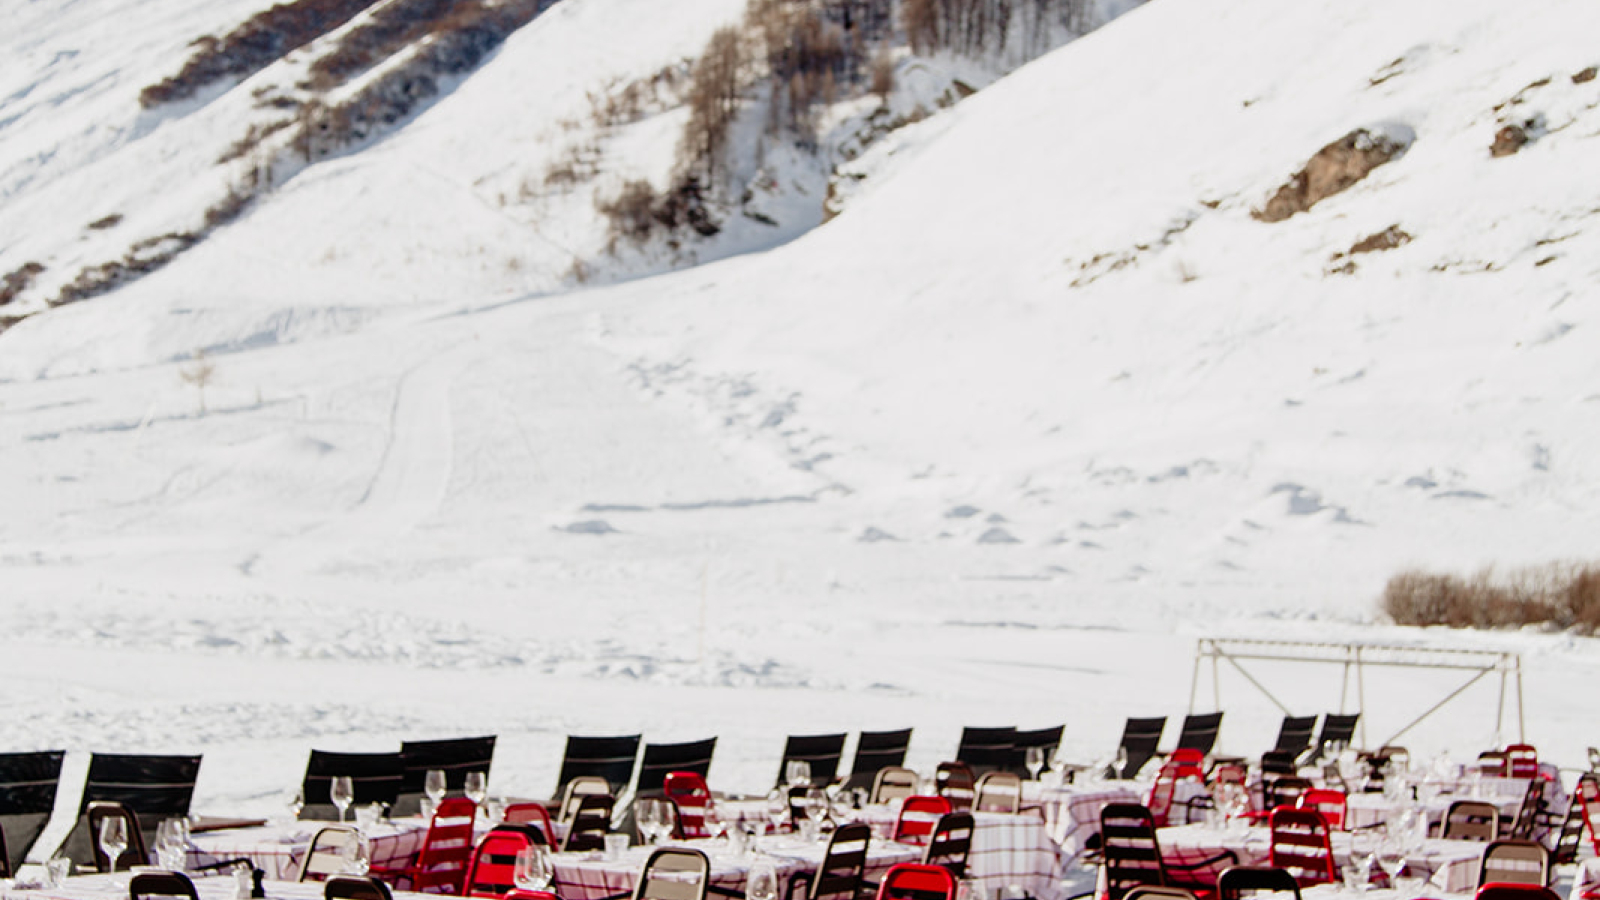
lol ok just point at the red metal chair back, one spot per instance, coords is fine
(1589, 795)
(689, 792)
(916, 881)
(1498, 891)
(494, 862)
(955, 782)
(532, 814)
(1301, 844)
(1191, 763)
(447, 848)
(918, 816)
(1229, 773)
(1329, 802)
(520, 894)
(1162, 793)
(1522, 761)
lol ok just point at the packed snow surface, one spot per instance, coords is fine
(996, 445)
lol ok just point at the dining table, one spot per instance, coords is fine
(1586, 880)
(210, 887)
(279, 848)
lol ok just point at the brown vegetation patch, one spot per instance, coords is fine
(1564, 595)
(461, 33)
(260, 41)
(1333, 169)
(1584, 77)
(105, 222)
(18, 281)
(638, 210)
(1387, 239)
(253, 136)
(1508, 140)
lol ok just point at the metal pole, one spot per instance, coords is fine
(1500, 706)
(1259, 686)
(1216, 685)
(1194, 679)
(1435, 708)
(1521, 734)
(1361, 696)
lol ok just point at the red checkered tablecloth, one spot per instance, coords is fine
(279, 849)
(1448, 865)
(1007, 852)
(592, 876)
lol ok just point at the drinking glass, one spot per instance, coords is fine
(495, 811)
(342, 792)
(1121, 762)
(1392, 858)
(815, 805)
(57, 869)
(357, 856)
(716, 826)
(762, 882)
(531, 871)
(477, 787)
(1034, 760)
(297, 802)
(797, 773)
(778, 808)
(434, 786)
(113, 840)
(647, 819)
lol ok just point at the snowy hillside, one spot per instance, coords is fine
(1043, 404)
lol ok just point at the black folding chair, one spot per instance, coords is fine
(27, 797)
(1338, 730)
(1200, 732)
(950, 843)
(839, 876)
(821, 752)
(611, 758)
(455, 758)
(1139, 740)
(151, 787)
(877, 750)
(374, 777)
(987, 749)
(659, 759)
(352, 887)
(1237, 881)
(1046, 739)
(161, 884)
(1294, 735)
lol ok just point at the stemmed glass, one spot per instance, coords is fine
(797, 773)
(815, 805)
(532, 871)
(716, 826)
(357, 856)
(113, 840)
(477, 787)
(1392, 857)
(1034, 760)
(1121, 762)
(762, 882)
(342, 792)
(650, 817)
(778, 808)
(296, 803)
(433, 785)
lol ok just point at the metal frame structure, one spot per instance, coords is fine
(1355, 658)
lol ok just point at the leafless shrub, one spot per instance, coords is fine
(882, 83)
(105, 222)
(18, 280)
(713, 104)
(1565, 595)
(199, 373)
(631, 214)
(253, 136)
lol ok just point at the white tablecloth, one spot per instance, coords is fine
(591, 876)
(1447, 865)
(1007, 852)
(279, 849)
(115, 887)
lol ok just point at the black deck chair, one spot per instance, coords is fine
(454, 757)
(1236, 882)
(1046, 739)
(659, 759)
(375, 778)
(152, 787)
(27, 797)
(1200, 732)
(1294, 735)
(611, 758)
(987, 750)
(821, 752)
(1338, 730)
(1139, 739)
(877, 750)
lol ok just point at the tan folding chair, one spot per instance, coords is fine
(1472, 820)
(893, 782)
(1515, 862)
(330, 852)
(674, 873)
(998, 792)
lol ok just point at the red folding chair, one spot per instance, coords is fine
(532, 814)
(494, 862)
(1522, 761)
(1329, 802)
(1499, 891)
(916, 881)
(1191, 763)
(1162, 792)
(446, 851)
(520, 894)
(1589, 796)
(918, 816)
(1301, 844)
(689, 792)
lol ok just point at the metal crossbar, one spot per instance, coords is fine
(1355, 658)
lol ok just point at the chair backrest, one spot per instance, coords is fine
(1329, 802)
(1157, 892)
(132, 855)
(987, 749)
(1162, 793)
(355, 887)
(329, 853)
(892, 782)
(1338, 729)
(1569, 839)
(454, 757)
(524, 894)
(1492, 763)
(950, 843)
(27, 797)
(494, 860)
(1046, 739)
(918, 816)
(1294, 735)
(1200, 732)
(611, 758)
(1522, 761)
(1285, 790)
(843, 864)
(1514, 862)
(876, 750)
(1188, 763)
(916, 881)
(161, 884)
(1229, 773)
(1139, 740)
(1516, 892)
(1129, 850)
(447, 847)
(821, 752)
(1471, 820)
(578, 788)
(954, 782)
(1587, 795)
(1235, 881)
(153, 787)
(1278, 762)
(590, 823)
(1398, 758)
(1530, 811)
(673, 873)
(659, 759)
(999, 792)
(532, 814)
(375, 777)
(1301, 843)
(688, 792)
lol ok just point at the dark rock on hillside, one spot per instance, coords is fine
(1333, 169)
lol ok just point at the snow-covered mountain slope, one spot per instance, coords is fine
(1042, 404)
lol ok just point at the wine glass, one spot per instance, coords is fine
(297, 802)
(342, 792)
(532, 870)
(815, 804)
(1392, 857)
(1034, 760)
(1121, 762)
(433, 785)
(647, 819)
(357, 855)
(778, 808)
(477, 787)
(113, 840)
(762, 882)
(797, 773)
(716, 826)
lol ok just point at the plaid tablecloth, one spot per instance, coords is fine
(591, 876)
(115, 887)
(1447, 865)
(279, 849)
(1072, 812)
(1007, 852)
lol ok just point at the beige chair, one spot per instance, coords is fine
(893, 782)
(1515, 862)
(1155, 892)
(998, 792)
(330, 852)
(674, 873)
(1472, 820)
(578, 788)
